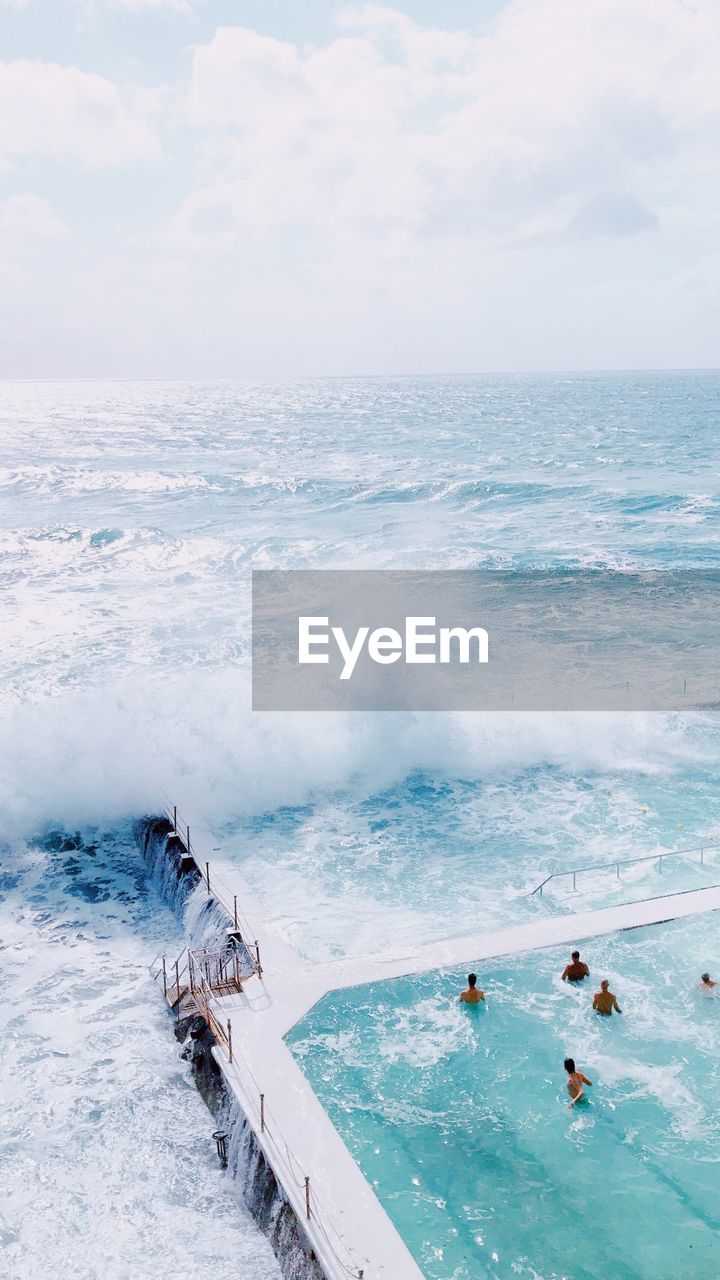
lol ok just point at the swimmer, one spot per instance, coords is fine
(472, 993)
(576, 970)
(604, 1001)
(707, 983)
(575, 1083)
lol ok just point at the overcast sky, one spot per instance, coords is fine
(261, 188)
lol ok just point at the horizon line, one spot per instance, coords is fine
(339, 377)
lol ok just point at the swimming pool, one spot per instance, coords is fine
(458, 1116)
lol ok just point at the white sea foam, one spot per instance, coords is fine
(106, 751)
(107, 1164)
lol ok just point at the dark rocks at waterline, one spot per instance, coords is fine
(197, 1041)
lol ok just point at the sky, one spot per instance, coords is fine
(290, 188)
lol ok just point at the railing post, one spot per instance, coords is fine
(230, 1039)
(164, 979)
(187, 831)
(574, 884)
(235, 911)
(175, 818)
(307, 1197)
(191, 975)
(177, 986)
(207, 875)
(257, 954)
(262, 1112)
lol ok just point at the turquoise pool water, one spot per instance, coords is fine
(458, 1116)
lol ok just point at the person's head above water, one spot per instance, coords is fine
(570, 1066)
(472, 979)
(604, 984)
(575, 955)
(705, 977)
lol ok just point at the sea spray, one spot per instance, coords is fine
(163, 853)
(102, 752)
(206, 921)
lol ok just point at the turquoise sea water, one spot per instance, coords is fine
(434, 857)
(131, 515)
(459, 1116)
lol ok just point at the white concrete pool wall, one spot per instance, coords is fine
(348, 1229)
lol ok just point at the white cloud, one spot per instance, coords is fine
(541, 192)
(63, 114)
(130, 6)
(619, 215)
(557, 109)
(29, 217)
(149, 6)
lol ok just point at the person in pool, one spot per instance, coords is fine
(707, 983)
(575, 1083)
(472, 993)
(604, 1001)
(576, 970)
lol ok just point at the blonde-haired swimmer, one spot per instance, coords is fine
(604, 1001)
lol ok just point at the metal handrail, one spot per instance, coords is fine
(204, 999)
(210, 1007)
(220, 968)
(624, 862)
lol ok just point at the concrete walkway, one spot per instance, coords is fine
(348, 1227)
(549, 931)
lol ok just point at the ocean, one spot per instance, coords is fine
(131, 515)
